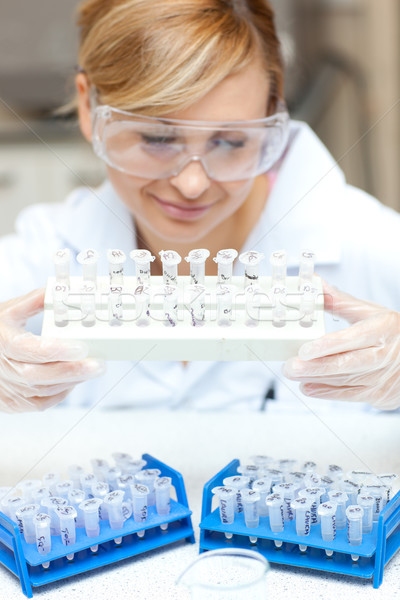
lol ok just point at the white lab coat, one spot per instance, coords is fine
(356, 240)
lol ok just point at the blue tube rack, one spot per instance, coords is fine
(377, 548)
(24, 561)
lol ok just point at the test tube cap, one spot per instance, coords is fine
(141, 256)
(226, 256)
(197, 256)
(89, 256)
(116, 256)
(251, 257)
(170, 257)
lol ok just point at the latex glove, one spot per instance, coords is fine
(36, 373)
(360, 363)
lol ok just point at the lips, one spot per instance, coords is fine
(181, 211)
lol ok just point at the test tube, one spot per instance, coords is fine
(61, 260)
(40, 495)
(50, 480)
(88, 259)
(379, 494)
(197, 304)
(13, 505)
(340, 499)
(116, 259)
(296, 477)
(302, 510)
(131, 467)
(87, 480)
(88, 304)
(43, 536)
(142, 304)
(226, 498)
(26, 514)
(162, 486)
(278, 295)
(354, 514)
(111, 477)
(90, 508)
(286, 464)
(29, 488)
(335, 472)
(67, 516)
(275, 504)
(121, 458)
(60, 308)
(224, 260)
(352, 489)
(197, 261)
(224, 305)
(328, 483)
(75, 498)
(250, 471)
(288, 492)
(252, 292)
(362, 477)
(262, 461)
(307, 306)
(238, 483)
(306, 268)
(276, 475)
(147, 477)
(52, 503)
(170, 261)
(263, 487)
(170, 305)
(113, 502)
(309, 466)
(327, 512)
(251, 261)
(278, 262)
(139, 494)
(100, 467)
(115, 307)
(314, 494)
(250, 499)
(100, 489)
(312, 480)
(75, 472)
(142, 260)
(124, 483)
(63, 488)
(388, 479)
(367, 503)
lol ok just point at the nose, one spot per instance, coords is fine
(192, 180)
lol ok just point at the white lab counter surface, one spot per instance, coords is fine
(198, 445)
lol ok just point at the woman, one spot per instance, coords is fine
(152, 75)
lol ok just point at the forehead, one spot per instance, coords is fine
(239, 97)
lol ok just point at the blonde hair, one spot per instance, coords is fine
(158, 56)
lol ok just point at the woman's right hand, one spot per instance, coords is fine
(36, 373)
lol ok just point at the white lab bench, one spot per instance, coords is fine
(198, 445)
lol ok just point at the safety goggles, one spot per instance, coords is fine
(158, 148)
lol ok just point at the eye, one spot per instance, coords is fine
(228, 143)
(158, 139)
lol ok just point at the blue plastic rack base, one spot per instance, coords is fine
(377, 548)
(25, 562)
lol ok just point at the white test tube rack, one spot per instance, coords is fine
(376, 549)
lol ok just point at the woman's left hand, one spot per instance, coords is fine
(360, 363)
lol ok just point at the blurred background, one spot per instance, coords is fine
(342, 62)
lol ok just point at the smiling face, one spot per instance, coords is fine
(191, 206)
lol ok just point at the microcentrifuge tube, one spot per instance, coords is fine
(197, 304)
(340, 499)
(52, 503)
(307, 306)
(88, 259)
(67, 516)
(111, 477)
(99, 466)
(87, 480)
(142, 305)
(197, 261)
(328, 483)
(162, 486)
(224, 298)
(121, 458)
(226, 498)
(115, 306)
(312, 480)
(116, 259)
(43, 536)
(88, 304)
(309, 466)
(147, 477)
(335, 472)
(131, 467)
(170, 305)
(367, 503)
(75, 498)
(90, 508)
(253, 307)
(278, 262)
(262, 461)
(388, 479)
(250, 471)
(139, 494)
(314, 494)
(170, 261)
(113, 502)
(40, 495)
(27, 515)
(302, 509)
(224, 260)
(238, 483)
(278, 296)
(63, 488)
(276, 475)
(286, 465)
(379, 493)
(288, 492)
(142, 260)
(100, 489)
(29, 488)
(275, 504)
(124, 483)
(306, 269)
(354, 514)
(250, 499)
(251, 261)
(296, 477)
(60, 307)
(362, 477)
(352, 489)
(327, 513)
(61, 264)
(263, 487)
(75, 472)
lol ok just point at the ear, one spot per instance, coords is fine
(84, 113)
